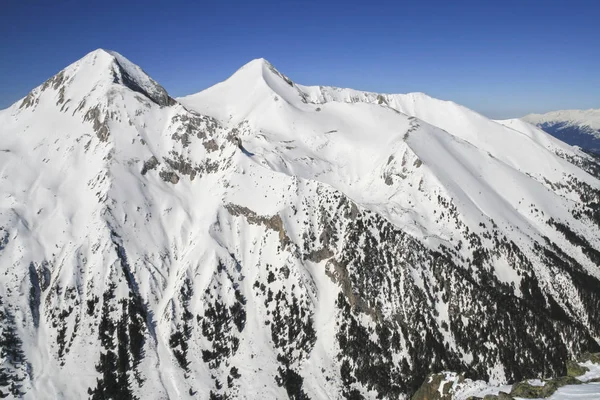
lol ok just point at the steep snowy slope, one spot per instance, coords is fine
(265, 239)
(566, 151)
(335, 129)
(88, 218)
(576, 127)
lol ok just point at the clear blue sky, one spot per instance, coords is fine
(501, 58)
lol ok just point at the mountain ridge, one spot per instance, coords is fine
(589, 116)
(577, 127)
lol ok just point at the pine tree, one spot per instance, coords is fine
(12, 357)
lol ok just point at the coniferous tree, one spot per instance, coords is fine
(12, 357)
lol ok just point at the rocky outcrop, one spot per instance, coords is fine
(528, 391)
(99, 121)
(169, 176)
(449, 385)
(438, 387)
(154, 92)
(273, 223)
(149, 165)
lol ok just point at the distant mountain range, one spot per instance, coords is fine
(575, 127)
(265, 239)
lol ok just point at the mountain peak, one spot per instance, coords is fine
(261, 69)
(137, 80)
(256, 82)
(256, 64)
(93, 56)
(100, 52)
(98, 70)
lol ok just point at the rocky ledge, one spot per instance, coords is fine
(452, 386)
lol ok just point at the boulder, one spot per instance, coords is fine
(574, 369)
(527, 391)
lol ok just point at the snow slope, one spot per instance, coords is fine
(267, 239)
(590, 117)
(576, 127)
(346, 152)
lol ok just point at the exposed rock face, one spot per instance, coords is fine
(154, 92)
(449, 385)
(528, 391)
(99, 121)
(574, 369)
(273, 223)
(149, 165)
(169, 176)
(592, 357)
(437, 387)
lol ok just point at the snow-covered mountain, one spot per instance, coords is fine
(575, 127)
(267, 239)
